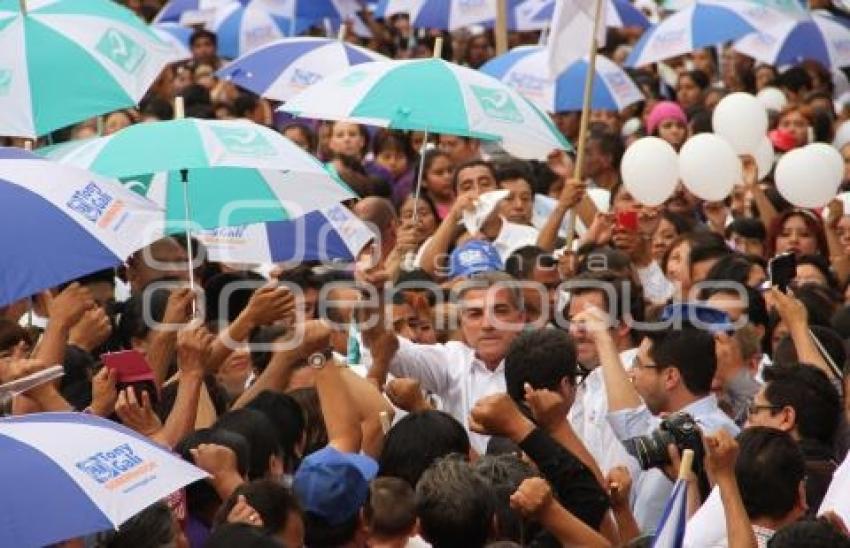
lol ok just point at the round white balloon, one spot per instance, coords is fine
(764, 157)
(709, 167)
(650, 170)
(741, 119)
(804, 179)
(831, 158)
(772, 98)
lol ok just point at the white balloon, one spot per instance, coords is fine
(831, 158)
(764, 156)
(804, 179)
(741, 119)
(709, 166)
(650, 170)
(772, 98)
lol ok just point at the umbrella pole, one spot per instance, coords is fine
(410, 257)
(23, 7)
(585, 119)
(187, 210)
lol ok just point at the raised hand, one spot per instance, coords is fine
(91, 330)
(67, 307)
(137, 414)
(498, 415)
(193, 349)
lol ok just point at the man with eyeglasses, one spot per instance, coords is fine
(800, 400)
(672, 372)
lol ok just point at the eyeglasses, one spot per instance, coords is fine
(636, 364)
(754, 408)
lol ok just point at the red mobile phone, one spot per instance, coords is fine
(133, 370)
(131, 366)
(627, 220)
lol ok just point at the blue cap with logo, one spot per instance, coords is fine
(474, 257)
(698, 315)
(334, 485)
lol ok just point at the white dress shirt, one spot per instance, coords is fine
(454, 374)
(653, 488)
(588, 417)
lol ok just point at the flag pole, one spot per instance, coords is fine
(585, 117)
(501, 26)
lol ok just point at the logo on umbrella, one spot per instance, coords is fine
(115, 468)
(5, 81)
(303, 78)
(121, 50)
(497, 104)
(243, 141)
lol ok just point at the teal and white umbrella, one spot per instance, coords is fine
(237, 172)
(435, 96)
(62, 61)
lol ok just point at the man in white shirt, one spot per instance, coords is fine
(461, 373)
(588, 414)
(672, 372)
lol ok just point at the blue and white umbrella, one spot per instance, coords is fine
(440, 14)
(63, 222)
(618, 13)
(704, 23)
(177, 36)
(241, 28)
(332, 233)
(67, 475)
(524, 69)
(244, 25)
(819, 37)
(284, 68)
(189, 12)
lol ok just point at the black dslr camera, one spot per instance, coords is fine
(680, 429)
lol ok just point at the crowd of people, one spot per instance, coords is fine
(476, 379)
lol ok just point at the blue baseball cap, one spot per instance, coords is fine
(698, 315)
(334, 485)
(473, 257)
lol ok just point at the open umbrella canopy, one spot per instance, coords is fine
(68, 475)
(284, 68)
(618, 13)
(332, 233)
(819, 37)
(62, 61)
(435, 96)
(703, 23)
(440, 14)
(524, 69)
(68, 221)
(238, 172)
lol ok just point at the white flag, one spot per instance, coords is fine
(837, 498)
(570, 32)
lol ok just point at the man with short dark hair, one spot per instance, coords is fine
(672, 372)
(459, 149)
(539, 270)
(770, 473)
(204, 46)
(455, 505)
(602, 161)
(800, 400)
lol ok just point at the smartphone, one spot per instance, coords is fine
(133, 370)
(782, 269)
(627, 220)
